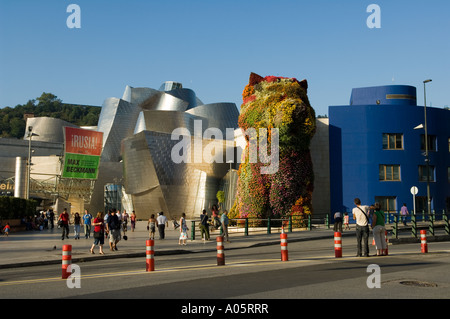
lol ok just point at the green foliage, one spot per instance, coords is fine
(14, 208)
(13, 123)
(220, 196)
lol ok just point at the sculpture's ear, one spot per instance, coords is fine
(304, 85)
(255, 79)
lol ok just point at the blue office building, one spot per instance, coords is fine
(377, 151)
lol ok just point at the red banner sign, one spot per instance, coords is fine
(80, 141)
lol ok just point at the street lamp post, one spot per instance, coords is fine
(29, 135)
(427, 160)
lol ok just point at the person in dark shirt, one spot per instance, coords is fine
(204, 226)
(114, 230)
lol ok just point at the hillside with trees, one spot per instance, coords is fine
(13, 120)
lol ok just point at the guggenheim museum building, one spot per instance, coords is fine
(165, 150)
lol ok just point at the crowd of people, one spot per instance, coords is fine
(114, 225)
(114, 222)
(207, 225)
(42, 220)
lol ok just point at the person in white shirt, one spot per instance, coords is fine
(162, 223)
(361, 215)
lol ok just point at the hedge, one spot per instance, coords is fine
(13, 207)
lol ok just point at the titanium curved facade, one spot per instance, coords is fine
(138, 149)
(48, 129)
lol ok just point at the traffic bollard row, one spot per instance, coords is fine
(150, 253)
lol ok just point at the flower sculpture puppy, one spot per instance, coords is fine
(281, 104)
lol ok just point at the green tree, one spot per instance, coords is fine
(17, 127)
(12, 123)
(220, 197)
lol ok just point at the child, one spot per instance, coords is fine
(347, 227)
(6, 229)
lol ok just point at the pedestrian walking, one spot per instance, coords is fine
(64, 221)
(77, 225)
(99, 235)
(52, 219)
(162, 223)
(113, 227)
(360, 214)
(215, 221)
(87, 222)
(125, 217)
(105, 221)
(151, 226)
(204, 226)
(379, 230)
(404, 213)
(225, 221)
(133, 220)
(6, 229)
(183, 230)
(346, 221)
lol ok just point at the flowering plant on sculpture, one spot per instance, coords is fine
(281, 103)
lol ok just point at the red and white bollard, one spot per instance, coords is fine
(66, 260)
(220, 251)
(423, 241)
(150, 255)
(337, 245)
(284, 243)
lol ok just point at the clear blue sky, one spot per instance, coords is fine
(212, 46)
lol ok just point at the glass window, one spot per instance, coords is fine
(388, 203)
(389, 172)
(422, 204)
(423, 173)
(432, 144)
(392, 141)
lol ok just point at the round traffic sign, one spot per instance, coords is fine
(414, 190)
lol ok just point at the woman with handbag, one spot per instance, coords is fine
(99, 234)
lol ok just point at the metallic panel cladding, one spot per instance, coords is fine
(137, 130)
(48, 129)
